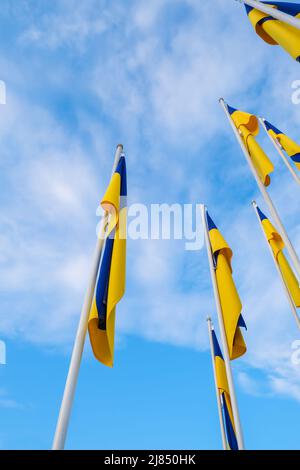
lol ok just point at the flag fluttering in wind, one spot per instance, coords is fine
(248, 126)
(229, 298)
(235, 118)
(110, 285)
(277, 245)
(276, 32)
(222, 384)
(288, 145)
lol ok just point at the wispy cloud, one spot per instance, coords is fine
(69, 24)
(7, 402)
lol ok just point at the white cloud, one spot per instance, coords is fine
(285, 387)
(71, 23)
(145, 14)
(48, 209)
(248, 384)
(7, 402)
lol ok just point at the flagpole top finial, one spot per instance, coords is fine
(208, 318)
(120, 145)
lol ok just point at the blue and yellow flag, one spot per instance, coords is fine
(248, 126)
(276, 32)
(223, 387)
(110, 285)
(288, 145)
(277, 245)
(229, 298)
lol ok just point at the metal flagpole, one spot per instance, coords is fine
(280, 151)
(274, 12)
(268, 200)
(234, 404)
(223, 434)
(291, 302)
(68, 396)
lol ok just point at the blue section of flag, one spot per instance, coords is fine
(286, 7)
(103, 282)
(231, 438)
(231, 110)
(241, 322)
(296, 158)
(270, 126)
(210, 223)
(217, 349)
(248, 8)
(261, 214)
(121, 169)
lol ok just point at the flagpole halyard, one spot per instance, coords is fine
(265, 194)
(291, 302)
(235, 411)
(274, 12)
(279, 150)
(70, 386)
(222, 427)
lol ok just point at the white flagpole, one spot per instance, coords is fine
(236, 416)
(223, 434)
(265, 194)
(69, 392)
(274, 12)
(291, 302)
(280, 151)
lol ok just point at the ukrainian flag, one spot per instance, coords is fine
(229, 298)
(290, 147)
(276, 32)
(277, 246)
(248, 126)
(110, 285)
(223, 387)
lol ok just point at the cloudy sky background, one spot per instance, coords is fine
(80, 78)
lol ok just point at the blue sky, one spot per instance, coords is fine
(80, 78)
